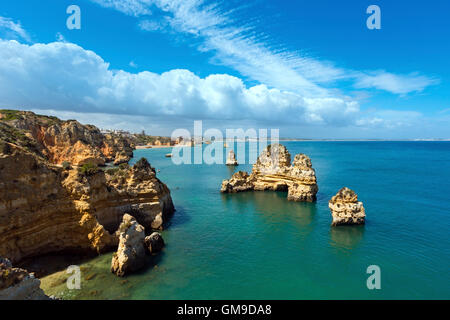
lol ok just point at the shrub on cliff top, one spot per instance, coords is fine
(123, 166)
(142, 164)
(89, 169)
(112, 171)
(65, 165)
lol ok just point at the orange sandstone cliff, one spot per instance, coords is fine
(48, 208)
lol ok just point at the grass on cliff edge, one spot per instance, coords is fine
(8, 115)
(89, 169)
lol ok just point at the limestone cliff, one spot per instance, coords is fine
(45, 208)
(59, 141)
(273, 171)
(346, 209)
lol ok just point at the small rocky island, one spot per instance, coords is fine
(231, 159)
(346, 209)
(274, 171)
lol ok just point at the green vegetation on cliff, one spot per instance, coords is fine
(10, 115)
(15, 136)
(89, 169)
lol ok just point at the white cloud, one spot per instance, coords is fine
(389, 119)
(130, 7)
(65, 77)
(12, 30)
(239, 45)
(399, 84)
(151, 25)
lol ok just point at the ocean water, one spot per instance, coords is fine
(258, 245)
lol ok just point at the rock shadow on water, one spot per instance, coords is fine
(47, 264)
(179, 218)
(272, 206)
(346, 237)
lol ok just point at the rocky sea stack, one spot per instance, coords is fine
(274, 171)
(231, 159)
(130, 255)
(346, 209)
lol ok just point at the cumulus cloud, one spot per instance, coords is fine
(12, 30)
(64, 76)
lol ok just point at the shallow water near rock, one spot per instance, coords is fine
(258, 245)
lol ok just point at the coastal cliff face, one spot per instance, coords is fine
(59, 141)
(273, 171)
(45, 208)
(18, 284)
(346, 209)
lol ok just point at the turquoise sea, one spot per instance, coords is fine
(258, 245)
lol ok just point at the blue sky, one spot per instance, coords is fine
(310, 68)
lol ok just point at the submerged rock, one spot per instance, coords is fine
(346, 209)
(130, 255)
(231, 159)
(154, 243)
(273, 171)
(18, 284)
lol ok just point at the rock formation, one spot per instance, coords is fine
(273, 171)
(130, 255)
(60, 141)
(231, 159)
(18, 284)
(240, 181)
(346, 209)
(154, 243)
(45, 208)
(121, 157)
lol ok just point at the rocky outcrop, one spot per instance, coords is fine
(231, 159)
(154, 243)
(346, 209)
(273, 171)
(68, 141)
(18, 284)
(45, 208)
(130, 255)
(138, 191)
(240, 181)
(38, 214)
(121, 158)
